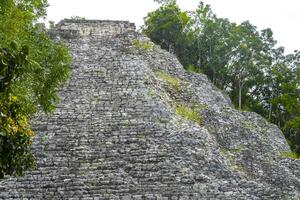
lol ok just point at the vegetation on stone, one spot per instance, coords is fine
(188, 113)
(239, 59)
(171, 81)
(192, 68)
(292, 155)
(77, 18)
(142, 45)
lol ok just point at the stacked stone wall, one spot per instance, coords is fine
(84, 28)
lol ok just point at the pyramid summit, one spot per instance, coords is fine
(100, 28)
(132, 123)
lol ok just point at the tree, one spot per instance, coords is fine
(245, 65)
(166, 2)
(286, 99)
(32, 67)
(165, 27)
(211, 42)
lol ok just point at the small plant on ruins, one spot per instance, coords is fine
(188, 113)
(193, 68)
(77, 18)
(289, 154)
(142, 45)
(169, 80)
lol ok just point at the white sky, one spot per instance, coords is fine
(282, 16)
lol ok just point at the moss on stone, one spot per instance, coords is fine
(289, 154)
(169, 80)
(264, 131)
(151, 93)
(235, 150)
(142, 45)
(230, 156)
(188, 113)
(248, 125)
(184, 170)
(99, 73)
(44, 139)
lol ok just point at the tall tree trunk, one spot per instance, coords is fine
(240, 94)
(199, 54)
(171, 48)
(270, 109)
(270, 112)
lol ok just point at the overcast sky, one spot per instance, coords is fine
(282, 16)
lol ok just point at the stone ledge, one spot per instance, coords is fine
(73, 28)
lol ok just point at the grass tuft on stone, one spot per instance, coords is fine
(192, 68)
(142, 45)
(169, 80)
(289, 154)
(188, 114)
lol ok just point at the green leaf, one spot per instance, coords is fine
(2, 134)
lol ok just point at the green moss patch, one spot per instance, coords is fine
(142, 45)
(289, 154)
(171, 81)
(188, 113)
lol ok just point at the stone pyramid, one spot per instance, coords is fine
(133, 124)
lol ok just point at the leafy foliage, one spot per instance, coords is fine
(166, 2)
(32, 67)
(165, 27)
(237, 58)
